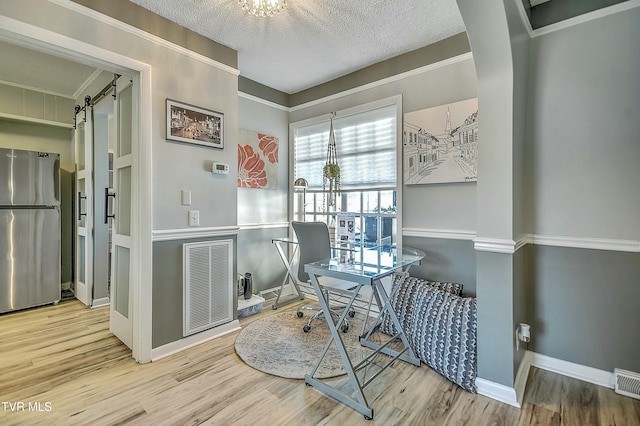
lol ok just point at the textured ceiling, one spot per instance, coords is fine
(310, 42)
(314, 41)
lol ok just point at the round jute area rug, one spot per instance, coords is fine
(277, 345)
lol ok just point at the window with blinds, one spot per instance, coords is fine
(366, 149)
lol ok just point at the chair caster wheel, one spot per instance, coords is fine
(352, 313)
(344, 328)
(306, 328)
(368, 418)
(299, 314)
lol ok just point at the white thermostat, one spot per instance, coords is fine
(220, 168)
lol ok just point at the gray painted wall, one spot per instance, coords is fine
(175, 166)
(265, 206)
(583, 306)
(446, 260)
(258, 255)
(583, 149)
(582, 167)
(493, 28)
(442, 206)
(262, 212)
(168, 289)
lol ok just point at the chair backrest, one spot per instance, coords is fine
(313, 244)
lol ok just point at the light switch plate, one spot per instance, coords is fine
(194, 218)
(185, 197)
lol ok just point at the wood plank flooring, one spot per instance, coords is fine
(64, 361)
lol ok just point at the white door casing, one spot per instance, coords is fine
(57, 44)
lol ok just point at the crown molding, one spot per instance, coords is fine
(576, 20)
(83, 10)
(381, 82)
(263, 101)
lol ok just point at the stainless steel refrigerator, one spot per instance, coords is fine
(29, 229)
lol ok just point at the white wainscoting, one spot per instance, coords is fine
(189, 233)
(498, 245)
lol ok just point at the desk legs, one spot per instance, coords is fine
(288, 276)
(358, 401)
(407, 354)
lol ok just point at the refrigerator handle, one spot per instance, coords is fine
(80, 198)
(106, 205)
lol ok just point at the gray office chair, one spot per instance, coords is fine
(314, 245)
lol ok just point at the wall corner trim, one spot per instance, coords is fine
(522, 376)
(498, 392)
(188, 233)
(193, 340)
(496, 245)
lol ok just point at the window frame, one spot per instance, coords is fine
(317, 212)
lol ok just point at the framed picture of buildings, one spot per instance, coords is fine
(440, 144)
(196, 125)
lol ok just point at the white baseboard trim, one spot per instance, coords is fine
(191, 341)
(498, 392)
(99, 303)
(570, 369)
(515, 396)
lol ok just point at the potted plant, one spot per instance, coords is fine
(331, 170)
(331, 181)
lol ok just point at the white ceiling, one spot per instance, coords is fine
(310, 42)
(314, 41)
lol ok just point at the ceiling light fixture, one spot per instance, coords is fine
(263, 7)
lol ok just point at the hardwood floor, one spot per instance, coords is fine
(64, 362)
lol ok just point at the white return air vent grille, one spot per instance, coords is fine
(208, 285)
(627, 383)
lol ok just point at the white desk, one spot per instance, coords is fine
(368, 268)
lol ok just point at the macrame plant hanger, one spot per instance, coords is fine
(331, 171)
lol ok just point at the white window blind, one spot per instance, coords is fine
(365, 144)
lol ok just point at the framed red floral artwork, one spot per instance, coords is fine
(257, 160)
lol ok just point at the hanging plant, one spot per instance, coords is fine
(331, 170)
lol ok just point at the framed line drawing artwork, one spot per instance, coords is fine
(196, 125)
(440, 144)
